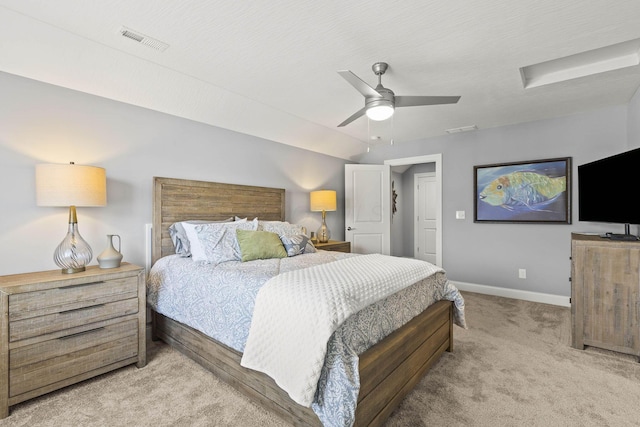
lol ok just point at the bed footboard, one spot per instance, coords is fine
(225, 363)
(388, 371)
(392, 368)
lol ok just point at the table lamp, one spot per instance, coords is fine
(323, 200)
(71, 185)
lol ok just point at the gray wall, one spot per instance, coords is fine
(41, 123)
(397, 219)
(633, 122)
(491, 254)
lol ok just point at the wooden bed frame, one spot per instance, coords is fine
(388, 371)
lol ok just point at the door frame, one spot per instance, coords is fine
(429, 158)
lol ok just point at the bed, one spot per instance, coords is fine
(387, 371)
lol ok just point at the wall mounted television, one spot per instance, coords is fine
(607, 191)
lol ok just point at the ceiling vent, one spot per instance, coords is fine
(462, 129)
(144, 40)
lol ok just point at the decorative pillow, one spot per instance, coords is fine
(309, 249)
(179, 235)
(218, 242)
(281, 228)
(259, 245)
(295, 244)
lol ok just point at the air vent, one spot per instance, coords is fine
(462, 129)
(142, 39)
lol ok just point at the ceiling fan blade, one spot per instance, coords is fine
(360, 85)
(354, 116)
(414, 101)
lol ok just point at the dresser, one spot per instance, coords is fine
(334, 245)
(58, 329)
(605, 293)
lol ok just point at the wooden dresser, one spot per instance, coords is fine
(605, 293)
(334, 245)
(57, 329)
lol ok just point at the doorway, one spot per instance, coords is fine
(406, 206)
(368, 207)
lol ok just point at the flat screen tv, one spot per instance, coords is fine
(607, 191)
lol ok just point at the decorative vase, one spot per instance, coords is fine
(110, 257)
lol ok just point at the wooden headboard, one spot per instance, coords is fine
(182, 199)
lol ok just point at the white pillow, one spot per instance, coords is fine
(282, 228)
(179, 235)
(194, 243)
(218, 242)
(237, 218)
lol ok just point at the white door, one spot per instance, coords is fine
(426, 217)
(368, 208)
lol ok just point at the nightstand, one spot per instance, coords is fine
(334, 245)
(58, 329)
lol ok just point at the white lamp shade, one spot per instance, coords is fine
(380, 112)
(70, 185)
(323, 200)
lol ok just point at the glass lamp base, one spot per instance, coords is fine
(73, 253)
(323, 233)
(73, 270)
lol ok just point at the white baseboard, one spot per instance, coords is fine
(514, 293)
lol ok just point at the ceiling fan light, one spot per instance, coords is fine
(380, 112)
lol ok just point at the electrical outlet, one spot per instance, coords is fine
(460, 214)
(522, 273)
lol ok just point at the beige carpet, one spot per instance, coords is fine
(513, 367)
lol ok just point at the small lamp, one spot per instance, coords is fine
(323, 200)
(71, 185)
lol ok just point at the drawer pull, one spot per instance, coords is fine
(81, 308)
(81, 285)
(80, 333)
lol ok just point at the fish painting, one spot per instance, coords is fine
(523, 189)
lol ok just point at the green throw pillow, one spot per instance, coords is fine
(260, 245)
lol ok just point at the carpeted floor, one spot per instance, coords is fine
(513, 367)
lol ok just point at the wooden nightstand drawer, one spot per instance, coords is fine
(84, 337)
(45, 363)
(64, 299)
(35, 326)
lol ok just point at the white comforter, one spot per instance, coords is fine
(296, 312)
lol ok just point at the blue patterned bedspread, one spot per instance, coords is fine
(218, 300)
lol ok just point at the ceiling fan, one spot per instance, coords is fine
(380, 103)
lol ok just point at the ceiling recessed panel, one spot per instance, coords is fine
(595, 61)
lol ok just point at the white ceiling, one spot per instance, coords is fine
(268, 67)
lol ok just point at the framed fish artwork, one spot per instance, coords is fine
(535, 191)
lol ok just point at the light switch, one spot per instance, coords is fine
(459, 214)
